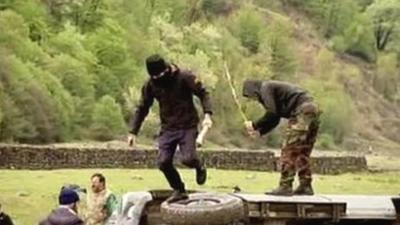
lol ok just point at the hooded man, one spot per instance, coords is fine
(284, 100)
(66, 213)
(174, 89)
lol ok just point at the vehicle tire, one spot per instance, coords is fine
(203, 209)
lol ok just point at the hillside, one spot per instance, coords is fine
(71, 71)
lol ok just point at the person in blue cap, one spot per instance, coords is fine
(67, 212)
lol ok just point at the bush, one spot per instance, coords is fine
(325, 141)
(282, 58)
(248, 25)
(217, 7)
(358, 40)
(337, 109)
(387, 77)
(107, 120)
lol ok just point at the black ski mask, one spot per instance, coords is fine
(158, 69)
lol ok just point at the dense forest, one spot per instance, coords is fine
(71, 70)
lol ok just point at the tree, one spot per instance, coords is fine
(248, 26)
(28, 98)
(77, 80)
(357, 39)
(217, 7)
(6, 4)
(337, 16)
(71, 42)
(337, 119)
(282, 60)
(36, 18)
(107, 120)
(387, 77)
(385, 15)
(87, 15)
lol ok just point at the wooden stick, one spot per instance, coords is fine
(235, 97)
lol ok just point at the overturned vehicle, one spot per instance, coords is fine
(150, 208)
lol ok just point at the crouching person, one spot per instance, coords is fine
(284, 100)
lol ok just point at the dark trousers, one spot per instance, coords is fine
(168, 142)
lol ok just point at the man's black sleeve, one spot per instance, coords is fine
(142, 109)
(266, 123)
(201, 92)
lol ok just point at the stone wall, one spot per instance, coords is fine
(48, 157)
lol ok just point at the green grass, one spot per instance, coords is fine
(41, 187)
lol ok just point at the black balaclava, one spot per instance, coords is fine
(155, 66)
(252, 89)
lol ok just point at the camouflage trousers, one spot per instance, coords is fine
(301, 134)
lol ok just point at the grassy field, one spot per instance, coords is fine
(29, 195)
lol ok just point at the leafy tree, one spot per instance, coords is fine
(387, 77)
(107, 120)
(385, 15)
(357, 39)
(248, 27)
(80, 84)
(282, 60)
(336, 118)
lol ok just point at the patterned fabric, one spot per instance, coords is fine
(99, 207)
(300, 137)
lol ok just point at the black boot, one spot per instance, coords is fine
(285, 187)
(201, 174)
(177, 196)
(304, 188)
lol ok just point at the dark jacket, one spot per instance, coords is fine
(175, 98)
(5, 219)
(280, 99)
(62, 216)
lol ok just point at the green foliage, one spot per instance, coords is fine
(337, 16)
(325, 141)
(35, 16)
(337, 111)
(31, 117)
(73, 75)
(282, 59)
(385, 15)
(336, 119)
(345, 24)
(248, 25)
(217, 7)
(62, 61)
(387, 77)
(87, 15)
(357, 39)
(107, 120)
(71, 42)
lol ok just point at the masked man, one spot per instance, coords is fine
(174, 89)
